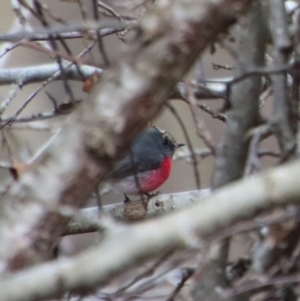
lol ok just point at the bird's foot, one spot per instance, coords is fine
(127, 199)
(152, 195)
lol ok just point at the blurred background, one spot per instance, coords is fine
(21, 143)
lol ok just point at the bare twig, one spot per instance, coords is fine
(43, 33)
(202, 131)
(35, 74)
(99, 40)
(213, 114)
(257, 134)
(144, 274)
(44, 84)
(264, 282)
(8, 48)
(186, 275)
(110, 10)
(12, 94)
(189, 144)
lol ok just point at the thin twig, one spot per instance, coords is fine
(213, 114)
(142, 275)
(44, 84)
(12, 94)
(43, 33)
(202, 131)
(257, 135)
(110, 10)
(186, 274)
(189, 144)
(100, 43)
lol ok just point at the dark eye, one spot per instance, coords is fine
(165, 141)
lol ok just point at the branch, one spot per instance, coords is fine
(210, 89)
(28, 75)
(41, 33)
(244, 99)
(249, 46)
(88, 218)
(99, 265)
(284, 124)
(70, 35)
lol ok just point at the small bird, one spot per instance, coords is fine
(147, 166)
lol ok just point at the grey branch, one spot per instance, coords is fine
(33, 74)
(107, 26)
(243, 115)
(181, 229)
(88, 219)
(74, 34)
(283, 125)
(208, 90)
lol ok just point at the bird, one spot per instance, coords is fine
(148, 164)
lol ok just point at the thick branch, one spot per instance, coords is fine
(180, 229)
(88, 218)
(243, 115)
(244, 99)
(284, 126)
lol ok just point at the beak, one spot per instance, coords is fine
(180, 145)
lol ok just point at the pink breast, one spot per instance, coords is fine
(158, 176)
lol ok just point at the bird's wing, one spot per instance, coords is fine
(144, 162)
